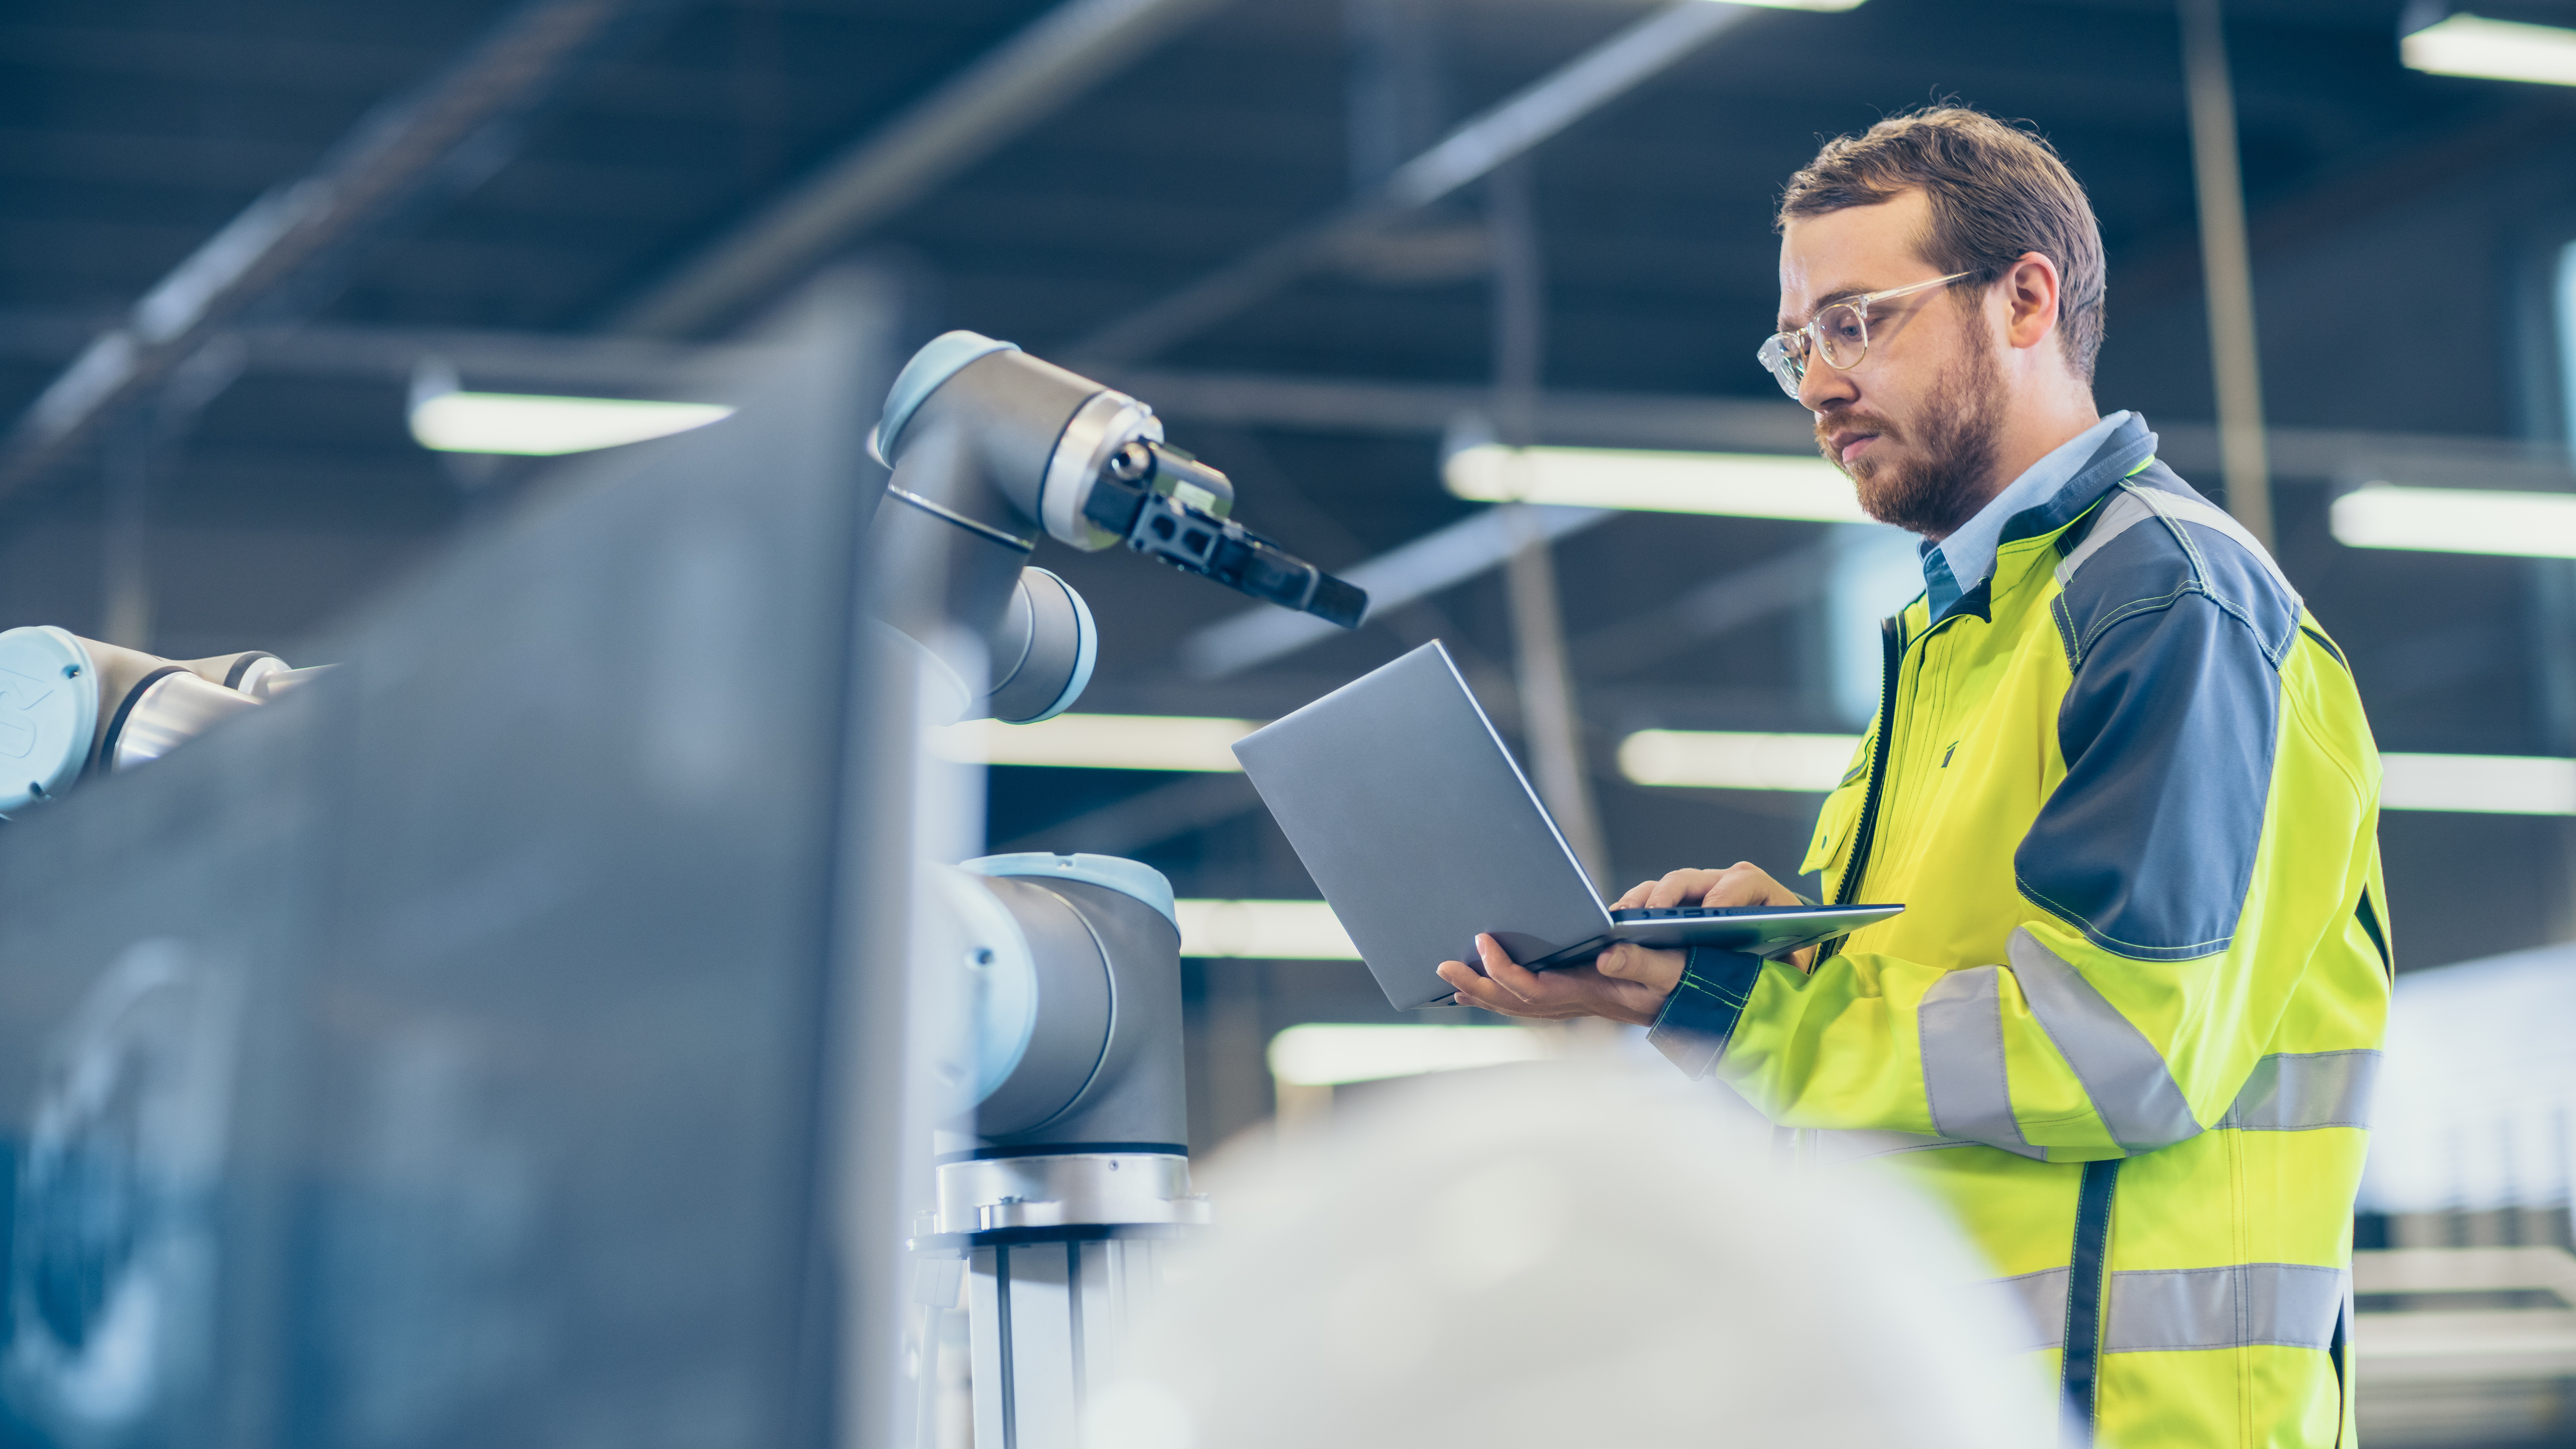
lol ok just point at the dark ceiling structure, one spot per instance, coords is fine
(650, 176)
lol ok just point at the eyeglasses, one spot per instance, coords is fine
(1839, 334)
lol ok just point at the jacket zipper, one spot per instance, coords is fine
(1891, 644)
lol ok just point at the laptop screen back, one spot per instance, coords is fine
(1406, 809)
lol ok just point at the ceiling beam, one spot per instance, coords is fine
(1342, 405)
(455, 128)
(1068, 50)
(1511, 128)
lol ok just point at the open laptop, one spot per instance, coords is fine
(1408, 811)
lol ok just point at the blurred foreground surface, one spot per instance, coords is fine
(1588, 1251)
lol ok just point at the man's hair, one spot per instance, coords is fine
(1996, 192)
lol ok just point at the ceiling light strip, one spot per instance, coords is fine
(1332, 1054)
(1263, 930)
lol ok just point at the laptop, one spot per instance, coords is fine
(1409, 812)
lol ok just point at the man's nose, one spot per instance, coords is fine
(1825, 388)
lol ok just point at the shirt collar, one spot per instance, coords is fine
(1961, 562)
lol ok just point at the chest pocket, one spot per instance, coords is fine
(1841, 814)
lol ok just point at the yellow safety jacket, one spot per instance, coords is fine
(2127, 1025)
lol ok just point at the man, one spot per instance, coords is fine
(2120, 780)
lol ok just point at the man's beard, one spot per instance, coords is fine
(1947, 475)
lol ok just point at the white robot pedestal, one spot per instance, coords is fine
(1055, 1212)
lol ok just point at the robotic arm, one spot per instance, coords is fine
(71, 706)
(993, 449)
(1068, 1161)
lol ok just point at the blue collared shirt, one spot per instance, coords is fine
(1969, 552)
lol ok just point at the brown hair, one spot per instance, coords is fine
(1996, 192)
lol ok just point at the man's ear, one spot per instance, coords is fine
(2031, 293)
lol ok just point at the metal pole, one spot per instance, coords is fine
(2228, 266)
(125, 533)
(1550, 724)
(140, 443)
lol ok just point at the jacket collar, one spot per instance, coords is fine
(2121, 454)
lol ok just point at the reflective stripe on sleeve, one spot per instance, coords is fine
(1831, 1145)
(2121, 1070)
(2302, 1091)
(2292, 1305)
(1960, 1024)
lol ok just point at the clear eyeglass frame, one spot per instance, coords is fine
(1839, 334)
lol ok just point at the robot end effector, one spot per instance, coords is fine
(992, 447)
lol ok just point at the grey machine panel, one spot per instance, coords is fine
(156, 931)
(498, 977)
(1472, 851)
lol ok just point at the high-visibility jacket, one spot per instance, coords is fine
(2127, 1025)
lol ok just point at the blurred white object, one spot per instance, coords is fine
(2465, 1355)
(2477, 1093)
(1573, 1253)
(2477, 1090)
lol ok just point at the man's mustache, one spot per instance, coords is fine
(1832, 423)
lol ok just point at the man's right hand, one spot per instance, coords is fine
(1740, 884)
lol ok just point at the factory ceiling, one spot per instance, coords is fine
(1049, 186)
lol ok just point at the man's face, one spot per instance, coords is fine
(1917, 422)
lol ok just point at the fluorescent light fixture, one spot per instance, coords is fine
(1329, 1054)
(1099, 742)
(532, 426)
(1264, 930)
(1716, 760)
(2472, 45)
(2457, 520)
(1803, 4)
(1742, 485)
(2478, 784)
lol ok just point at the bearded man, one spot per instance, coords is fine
(2119, 777)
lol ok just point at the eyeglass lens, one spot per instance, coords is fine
(1842, 334)
(1785, 356)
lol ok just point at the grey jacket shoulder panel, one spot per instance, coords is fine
(2174, 624)
(2155, 539)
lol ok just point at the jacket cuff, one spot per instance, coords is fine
(1692, 1029)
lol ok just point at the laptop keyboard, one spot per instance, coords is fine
(1696, 913)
